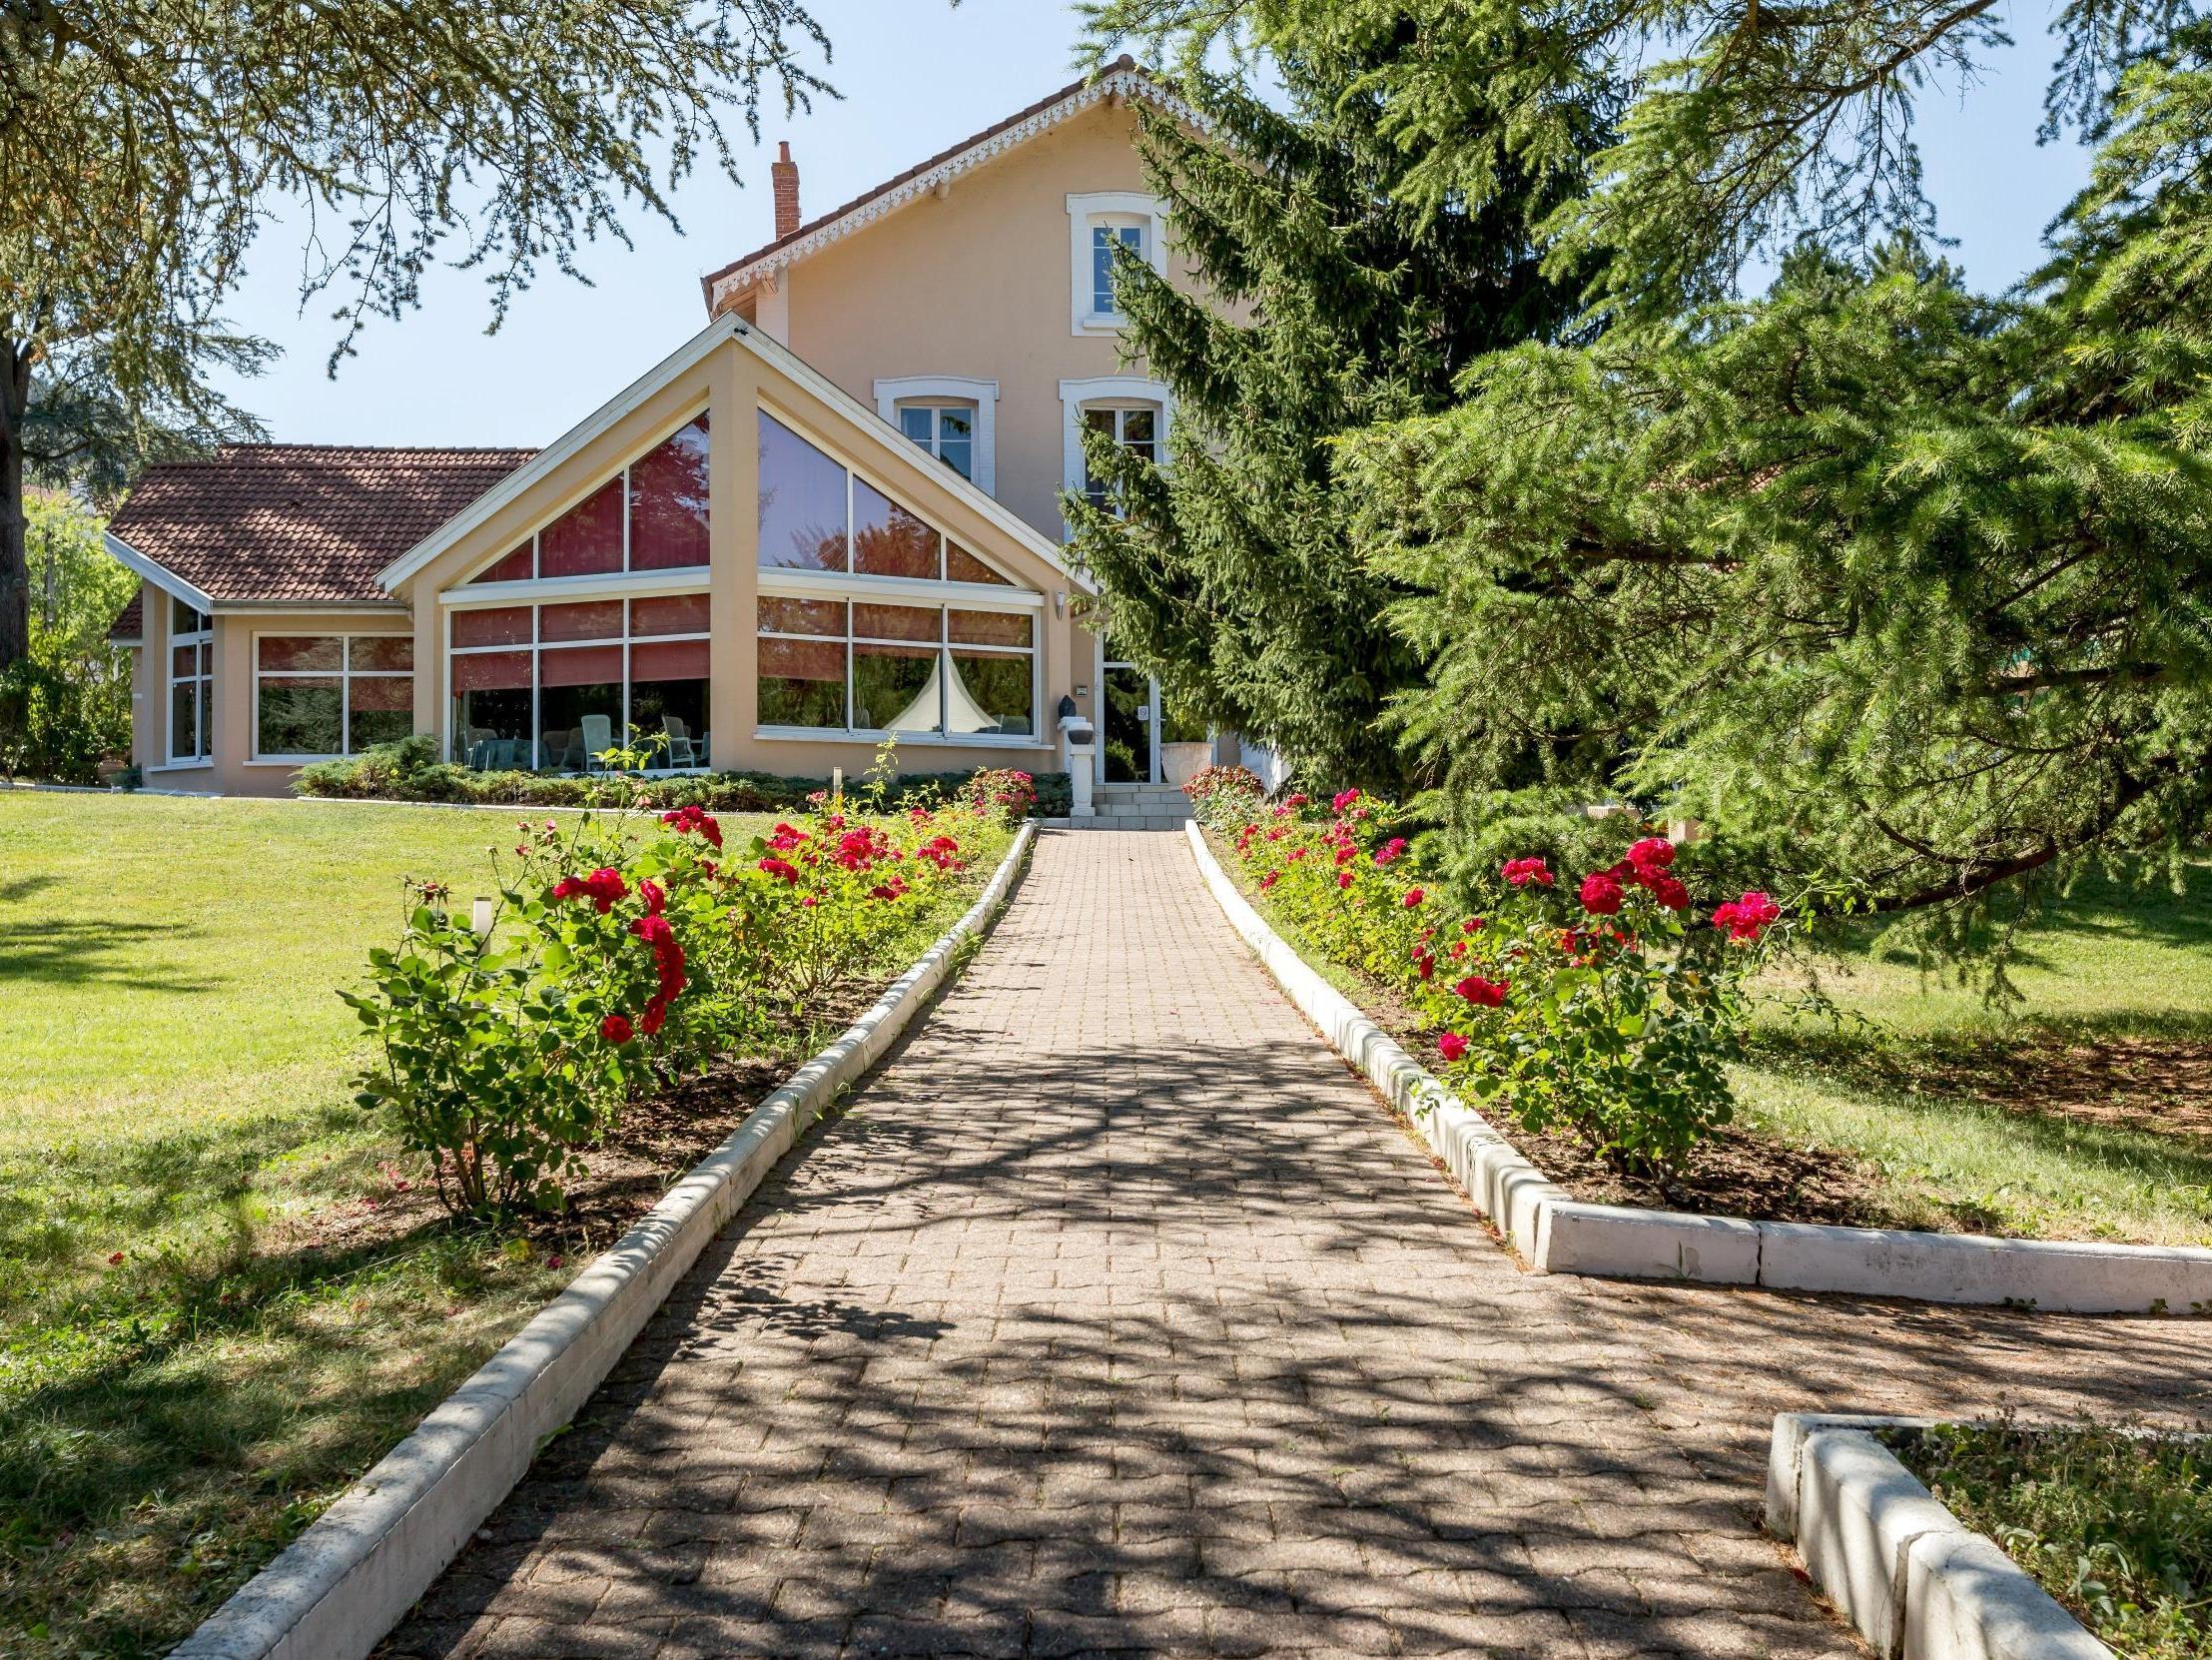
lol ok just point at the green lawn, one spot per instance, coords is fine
(173, 1068)
(2084, 1110)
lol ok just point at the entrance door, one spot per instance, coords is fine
(1131, 725)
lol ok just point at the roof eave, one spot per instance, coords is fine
(159, 574)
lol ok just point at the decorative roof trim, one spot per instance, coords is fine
(1124, 80)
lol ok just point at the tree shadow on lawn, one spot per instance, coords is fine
(97, 951)
(259, 1392)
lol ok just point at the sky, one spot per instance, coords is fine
(917, 76)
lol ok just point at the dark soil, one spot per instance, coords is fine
(1738, 1172)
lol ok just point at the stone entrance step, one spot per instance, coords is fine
(1131, 807)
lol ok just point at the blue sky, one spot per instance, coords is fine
(916, 75)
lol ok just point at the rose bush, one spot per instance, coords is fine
(625, 952)
(1593, 1007)
(1223, 794)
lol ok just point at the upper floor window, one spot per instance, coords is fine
(1135, 427)
(1106, 237)
(946, 431)
(652, 515)
(1101, 224)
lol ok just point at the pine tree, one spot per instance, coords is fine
(1325, 304)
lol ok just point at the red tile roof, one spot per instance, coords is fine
(300, 521)
(129, 624)
(1120, 65)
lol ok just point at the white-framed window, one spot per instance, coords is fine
(1099, 224)
(952, 416)
(871, 621)
(319, 697)
(551, 686)
(191, 684)
(1136, 413)
(650, 516)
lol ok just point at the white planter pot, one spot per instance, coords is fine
(1182, 762)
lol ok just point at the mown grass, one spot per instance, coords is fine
(2082, 1109)
(2117, 1527)
(216, 1307)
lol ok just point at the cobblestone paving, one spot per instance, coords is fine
(1117, 1316)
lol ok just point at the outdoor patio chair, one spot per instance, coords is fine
(597, 732)
(680, 752)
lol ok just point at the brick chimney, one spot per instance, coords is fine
(784, 172)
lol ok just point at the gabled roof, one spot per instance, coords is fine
(293, 523)
(895, 453)
(1120, 78)
(129, 626)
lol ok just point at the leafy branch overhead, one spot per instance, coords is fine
(145, 146)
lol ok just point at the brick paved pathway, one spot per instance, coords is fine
(1116, 1317)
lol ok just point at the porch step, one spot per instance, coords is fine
(1131, 807)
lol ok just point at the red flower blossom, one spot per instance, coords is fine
(1269, 880)
(1748, 918)
(657, 1013)
(615, 1028)
(1521, 872)
(1452, 1046)
(1343, 799)
(1413, 898)
(1471, 924)
(654, 895)
(1653, 853)
(694, 821)
(1668, 890)
(1343, 879)
(1390, 851)
(1601, 893)
(602, 887)
(782, 870)
(1346, 853)
(1483, 994)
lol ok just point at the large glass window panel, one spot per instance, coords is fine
(990, 627)
(587, 540)
(669, 700)
(507, 625)
(298, 715)
(897, 622)
(668, 502)
(514, 567)
(184, 661)
(802, 502)
(991, 691)
(894, 688)
(592, 619)
(802, 683)
(492, 710)
(674, 613)
(963, 566)
(887, 539)
(381, 709)
(183, 720)
(301, 653)
(381, 652)
(580, 705)
(781, 615)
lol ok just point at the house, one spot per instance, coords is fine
(831, 515)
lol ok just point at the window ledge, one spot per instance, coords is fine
(907, 740)
(183, 767)
(1105, 323)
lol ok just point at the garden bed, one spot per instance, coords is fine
(223, 1292)
(1921, 1109)
(2115, 1524)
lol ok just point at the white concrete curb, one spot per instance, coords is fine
(1558, 1234)
(345, 1581)
(1917, 1583)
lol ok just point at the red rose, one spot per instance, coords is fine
(656, 1012)
(1746, 918)
(1601, 893)
(1452, 1046)
(1343, 879)
(1521, 872)
(1483, 994)
(1653, 853)
(694, 821)
(654, 895)
(1668, 890)
(1413, 898)
(780, 869)
(615, 1028)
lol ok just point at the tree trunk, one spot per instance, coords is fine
(15, 583)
